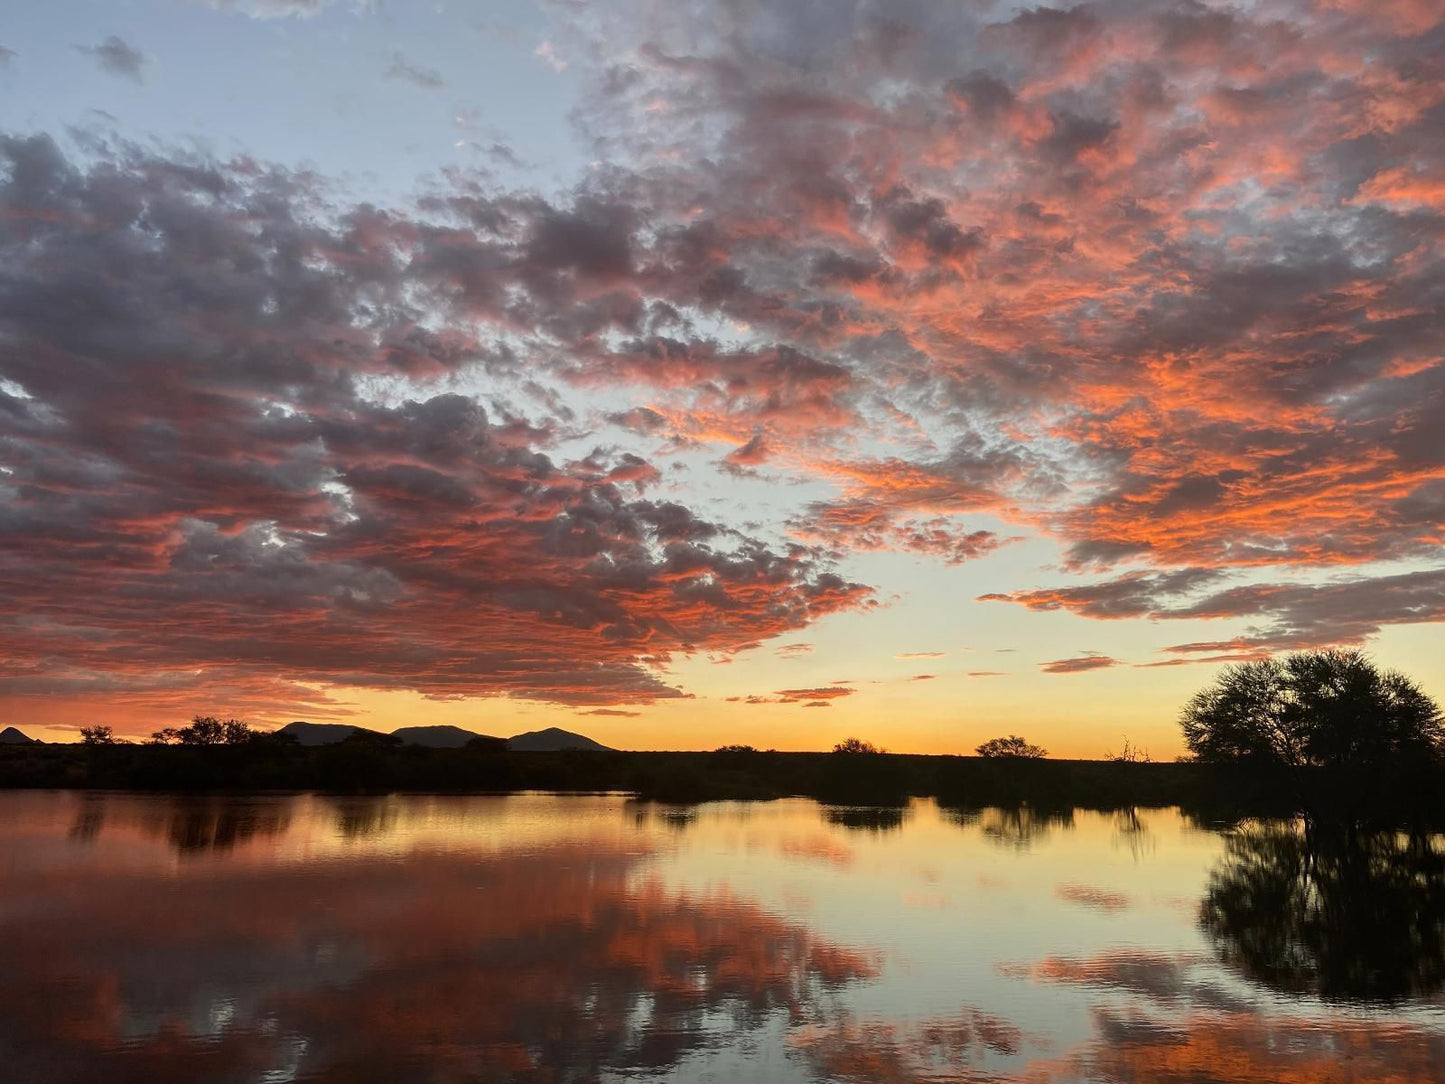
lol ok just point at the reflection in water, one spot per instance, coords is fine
(1019, 827)
(540, 966)
(868, 818)
(883, 1053)
(366, 817)
(678, 818)
(1173, 1023)
(1131, 831)
(1331, 912)
(448, 940)
(190, 823)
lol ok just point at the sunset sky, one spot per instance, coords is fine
(697, 372)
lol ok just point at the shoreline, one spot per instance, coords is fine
(1214, 792)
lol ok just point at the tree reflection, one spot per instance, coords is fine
(866, 817)
(1332, 912)
(219, 824)
(1019, 827)
(189, 824)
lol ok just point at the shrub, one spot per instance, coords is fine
(1011, 747)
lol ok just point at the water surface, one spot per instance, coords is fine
(545, 938)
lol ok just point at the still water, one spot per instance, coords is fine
(558, 939)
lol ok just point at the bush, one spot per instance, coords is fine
(852, 746)
(1013, 747)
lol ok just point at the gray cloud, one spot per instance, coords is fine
(117, 57)
(402, 69)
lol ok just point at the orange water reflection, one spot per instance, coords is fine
(588, 939)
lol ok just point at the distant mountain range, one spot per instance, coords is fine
(553, 739)
(550, 740)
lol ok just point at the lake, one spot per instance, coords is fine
(595, 938)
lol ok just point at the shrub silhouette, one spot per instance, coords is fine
(1312, 709)
(206, 730)
(852, 746)
(98, 735)
(1130, 754)
(1012, 746)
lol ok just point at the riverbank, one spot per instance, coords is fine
(1213, 792)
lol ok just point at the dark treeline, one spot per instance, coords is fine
(1216, 793)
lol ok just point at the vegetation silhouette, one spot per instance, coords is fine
(206, 730)
(1129, 754)
(1011, 746)
(1323, 707)
(1331, 911)
(866, 818)
(858, 772)
(1320, 709)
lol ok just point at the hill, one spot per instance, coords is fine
(321, 733)
(552, 740)
(11, 736)
(437, 737)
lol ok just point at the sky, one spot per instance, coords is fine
(710, 371)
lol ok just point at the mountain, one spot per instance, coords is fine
(551, 740)
(321, 733)
(434, 737)
(437, 737)
(11, 736)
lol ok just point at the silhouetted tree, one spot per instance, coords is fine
(206, 730)
(1130, 754)
(98, 735)
(856, 745)
(1312, 708)
(1012, 746)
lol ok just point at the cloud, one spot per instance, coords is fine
(116, 57)
(1290, 615)
(548, 55)
(7, 56)
(1134, 594)
(826, 692)
(1298, 615)
(1079, 664)
(426, 78)
(1148, 282)
(219, 495)
(921, 655)
(619, 713)
(281, 9)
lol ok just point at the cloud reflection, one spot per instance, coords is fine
(561, 962)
